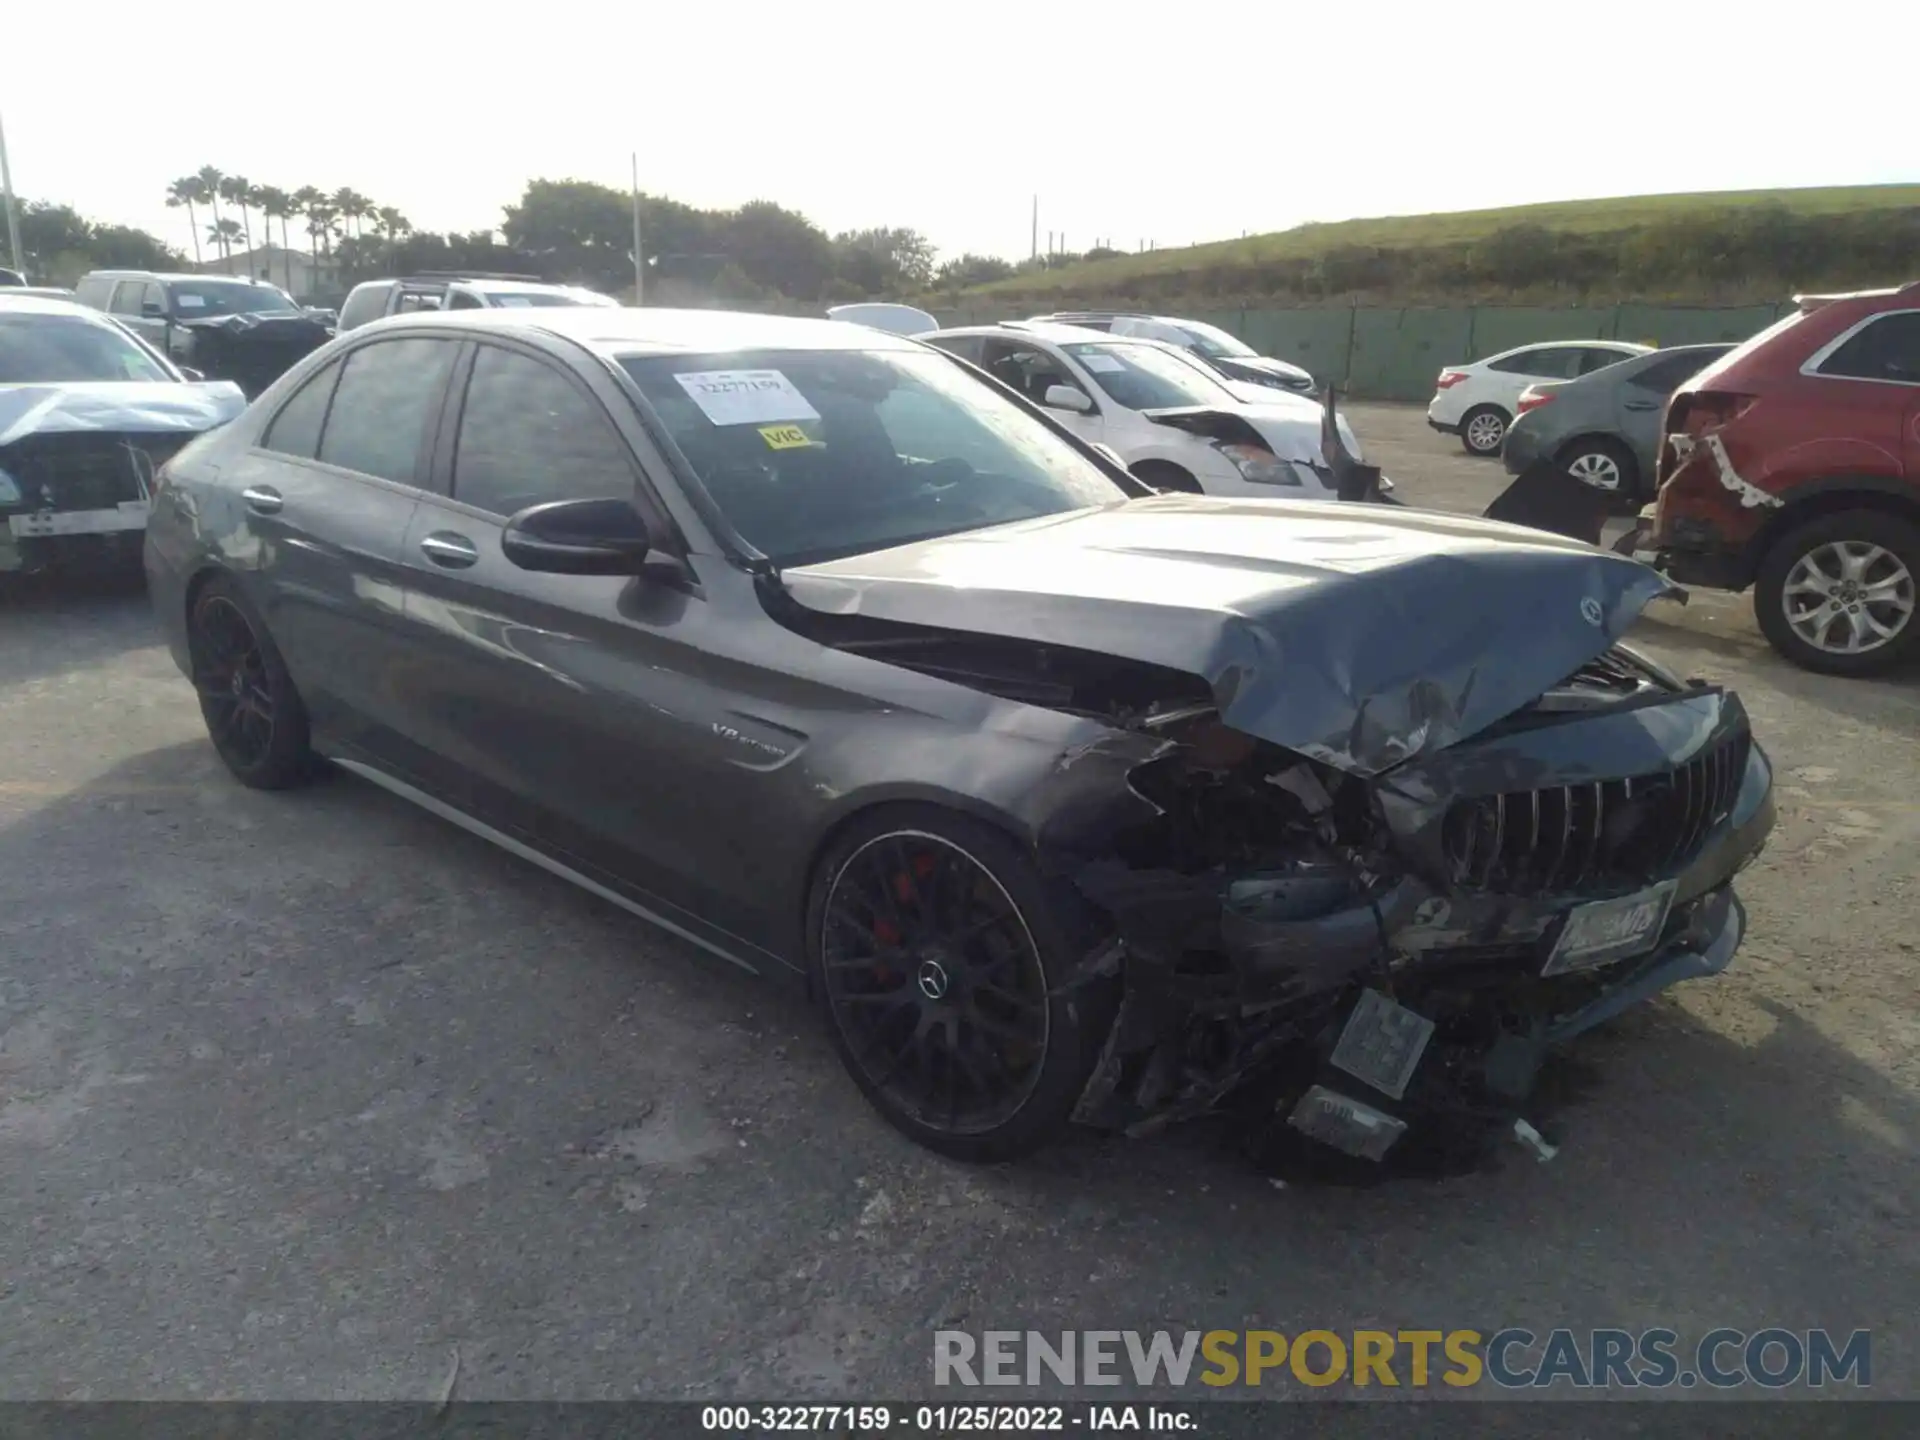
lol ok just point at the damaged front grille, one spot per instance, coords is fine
(1600, 835)
(89, 471)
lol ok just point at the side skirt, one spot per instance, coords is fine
(527, 852)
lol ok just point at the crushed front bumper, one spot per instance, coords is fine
(1471, 952)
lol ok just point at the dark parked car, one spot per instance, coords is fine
(1605, 427)
(837, 658)
(87, 415)
(224, 326)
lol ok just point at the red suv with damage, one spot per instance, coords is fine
(1793, 466)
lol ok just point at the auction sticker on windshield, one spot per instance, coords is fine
(746, 397)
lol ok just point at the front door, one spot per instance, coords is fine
(578, 714)
(1033, 372)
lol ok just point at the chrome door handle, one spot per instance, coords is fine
(1643, 404)
(262, 499)
(455, 552)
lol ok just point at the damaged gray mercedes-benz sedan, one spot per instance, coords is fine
(1067, 800)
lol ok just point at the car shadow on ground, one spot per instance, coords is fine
(53, 624)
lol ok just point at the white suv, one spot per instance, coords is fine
(1477, 402)
(374, 299)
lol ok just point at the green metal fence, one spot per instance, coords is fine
(1394, 354)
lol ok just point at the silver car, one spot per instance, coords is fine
(1605, 426)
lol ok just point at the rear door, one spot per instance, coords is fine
(328, 491)
(1640, 403)
(128, 305)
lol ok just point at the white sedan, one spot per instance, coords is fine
(1478, 401)
(1169, 420)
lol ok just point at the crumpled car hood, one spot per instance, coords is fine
(130, 406)
(1358, 639)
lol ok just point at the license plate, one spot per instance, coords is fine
(1382, 1043)
(1346, 1124)
(128, 515)
(1609, 930)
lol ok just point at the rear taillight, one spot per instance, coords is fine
(1450, 378)
(1530, 401)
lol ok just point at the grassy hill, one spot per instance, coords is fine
(1735, 247)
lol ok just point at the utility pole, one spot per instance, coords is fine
(13, 216)
(640, 262)
(1036, 227)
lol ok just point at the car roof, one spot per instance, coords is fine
(1050, 330)
(51, 305)
(623, 330)
(174, 275)
(1625, 347)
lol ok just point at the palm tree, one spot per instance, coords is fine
(186, 191)
(277, 204)
(237, 191)
(305, 200)
(352, 206)
(391, 224)
(223, 233)
(210, 180)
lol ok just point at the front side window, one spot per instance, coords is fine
(816, 454)
(464, 300)
(203, 299)
(38, 349)
(1142, 377)
(528, 435)
(388, 393)
(1887, 349)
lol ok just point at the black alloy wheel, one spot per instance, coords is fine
(253, 713)
(933, 946)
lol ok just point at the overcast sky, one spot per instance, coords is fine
(1131, 121)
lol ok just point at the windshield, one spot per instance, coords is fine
(67, 350)
(1142, 377)
(815, 454)
(514, 299)
(196, 299)
(1212, 342)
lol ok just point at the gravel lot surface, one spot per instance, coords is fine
(300, 1094)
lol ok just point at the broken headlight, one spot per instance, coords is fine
(1262, 467)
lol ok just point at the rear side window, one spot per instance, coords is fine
(388, 393)
(1886, 349)
(1592, 359)
(94, 291)
(127, 296)
(461, 300)
(296, 429)
(528, 435)
(367, 302)
(1526, 362)
(967, 347)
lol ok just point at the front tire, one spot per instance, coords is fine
(253, 712)
(1483, 430)
(1837, 594)
(939, 953)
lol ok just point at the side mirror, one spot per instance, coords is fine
(1068, 397)
(153, 310)
(578, 537)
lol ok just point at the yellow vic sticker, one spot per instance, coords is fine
(784, 437)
